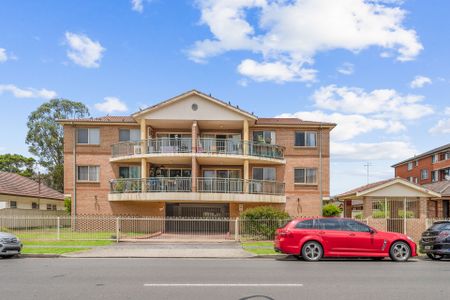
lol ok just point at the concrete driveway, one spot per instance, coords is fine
(167, 249)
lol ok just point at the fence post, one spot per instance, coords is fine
(117, 229)
(236, 229)
(58, 228)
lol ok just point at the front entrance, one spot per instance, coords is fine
(197, 218)
(446, 208)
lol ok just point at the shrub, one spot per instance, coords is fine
(68, 205)
(262, 221)
(331, 210)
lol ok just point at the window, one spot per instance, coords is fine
(305, 176)
(410, 166)
(130, 172)
(305, 139)
(126, 135)
(424, 174)
(88, 173)
(416, 163)
(49, 207)
(350, 225)
(175, 172)
(54, 207)
(434, 176)
(328, 224)
(89, 136)
(12, 204)
(34, 205)
(447, 155)
(264, 137)
(308, 224)
(435, 158)
(264, 174)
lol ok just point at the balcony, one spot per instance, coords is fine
(208, 190)
(228, 149)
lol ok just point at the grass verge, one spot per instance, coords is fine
(259, 248)
(51, 250)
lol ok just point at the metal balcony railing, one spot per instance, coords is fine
(151, 184)
(204, 145)
(204, 185)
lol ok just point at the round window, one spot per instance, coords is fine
(194, 106)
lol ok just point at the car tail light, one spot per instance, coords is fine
(286, 234)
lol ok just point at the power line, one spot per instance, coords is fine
(368, 165)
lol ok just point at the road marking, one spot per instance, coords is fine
(223, 284)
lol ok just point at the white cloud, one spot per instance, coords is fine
(84, 51)
(292, 32)
(420, 81)
(346, 69)
(275, 71)
(3, 55)
(447, 111)
(348, 126)
(137, 5)
(27, 92)
(111, 105)
(385, 103)
(392, 150)
(442, 127)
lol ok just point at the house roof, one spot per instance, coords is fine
(441, 187)
(290, 122)
(17, 185)
(104, 119)
(433, 151)
(364, 189)
(198, 93)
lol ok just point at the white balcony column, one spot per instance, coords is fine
(194, 164)
(143, 174)
(143, 135)
(246, 175)
(245, 136)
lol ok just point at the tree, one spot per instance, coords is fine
(45, 136)
(16, 163)
(68, 205)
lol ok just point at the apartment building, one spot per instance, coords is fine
(431, 170)
(431, 166)
(195, 156)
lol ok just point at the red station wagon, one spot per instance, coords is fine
(313, 239)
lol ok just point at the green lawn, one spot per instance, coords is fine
(259, 248)
(51, 250)
(66, 243)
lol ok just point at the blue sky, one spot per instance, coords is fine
(379, 68)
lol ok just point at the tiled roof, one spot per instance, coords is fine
(365, 187)
(289, 121)
(14, 184)
(433, 151)
(104, 119)
(441, 187)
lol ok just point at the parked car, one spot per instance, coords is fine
(435, 241)
(313, 239)
(10, 245)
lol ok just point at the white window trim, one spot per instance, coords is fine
(306, 183)
(89, 142)
(89, 181)
(315, 133)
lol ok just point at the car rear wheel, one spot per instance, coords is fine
(434, 256)
(7, 256)
(400, 251)
(312, 251)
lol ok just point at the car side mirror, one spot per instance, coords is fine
(372, 231)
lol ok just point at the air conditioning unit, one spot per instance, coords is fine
(137, 149)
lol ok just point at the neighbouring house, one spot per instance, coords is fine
(431, 166)
(195, 156)
(396, 205)
(431, 170)
(23, 196)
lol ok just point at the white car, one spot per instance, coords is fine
(10, 245)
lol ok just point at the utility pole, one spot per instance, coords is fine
(368, 165)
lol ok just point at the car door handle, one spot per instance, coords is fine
(321, 232)
(352, 234)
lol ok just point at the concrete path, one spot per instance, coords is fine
(184, 250)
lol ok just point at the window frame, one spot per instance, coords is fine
(34, 205)
(88, 174)
(130, 135)
(305, 132)
(88, 136)
(272, 134)
(410, 166)
(11, 206)
(305, 172)
(422, 172)
(263, 173)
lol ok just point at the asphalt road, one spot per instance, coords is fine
(75, 278)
